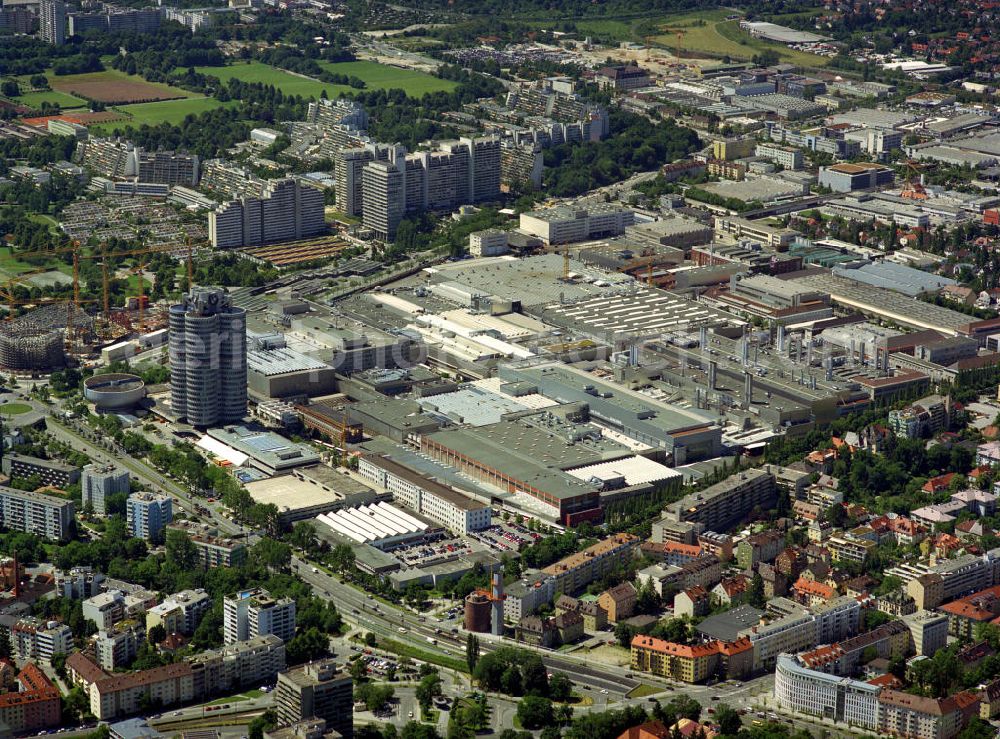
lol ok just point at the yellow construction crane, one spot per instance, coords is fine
(105, 255)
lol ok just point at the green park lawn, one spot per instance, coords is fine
(164, 111)
(288, 83)
(384, 77)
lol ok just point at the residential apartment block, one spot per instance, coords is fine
(45, 515)
(214, 549)
(576, 571)
(99, 481)
(286, 210)
(255, 613)
(49, 471)
(723, 505)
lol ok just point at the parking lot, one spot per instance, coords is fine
(424, 555)
(506, 537)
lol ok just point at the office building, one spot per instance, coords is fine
(318, 690)
(847, 177)
(52, 21)
(48, 471)
(98, 482)
(458, 512)
(33, 513)
(287, 209)
(802, 690)
(148, 515)
(255, 613)
(787, 156)
(208, 359)
(567, 225)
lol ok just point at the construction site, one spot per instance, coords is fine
(41, 334)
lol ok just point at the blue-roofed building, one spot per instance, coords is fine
(264, 450)
(906, 280)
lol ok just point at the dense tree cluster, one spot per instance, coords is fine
(513, 671)
(634, 145)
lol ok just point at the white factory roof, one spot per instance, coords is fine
(636, 471)
(372, 523)
(270, 362)
(222, 451)
(534, 401)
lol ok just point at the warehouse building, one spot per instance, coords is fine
(380, 525)
(284, 373)
(458, 512)
(685, 434)
(527, 458)
(847, 177)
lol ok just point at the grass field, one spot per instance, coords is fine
(644, 690)
(383, 77)
(53, 97)
(14, 409)
(167, 111)
(708, 32)
(287, 82)
(376, 77)
(607, 29)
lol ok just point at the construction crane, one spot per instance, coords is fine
(141, 297)
(105, 255)
(7, 291)
(914, 189)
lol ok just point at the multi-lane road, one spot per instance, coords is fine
(386, 620)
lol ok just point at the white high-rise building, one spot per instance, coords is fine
(52, 21)
(288, 209)
(255, 613)
(99, 481)
(148, 515)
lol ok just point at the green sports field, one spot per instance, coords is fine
(166, 111)
(288, 83)
(376, 76)
(53, 97)
(384, 77)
